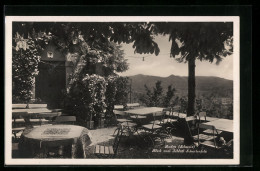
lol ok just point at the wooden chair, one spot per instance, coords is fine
(109, 151)
(168, 116)
(18, 126)
(127, 124)
(154, 130)
(201, 115)
(121, 116)
(158, 118)
(17, 132)
(203, 118)
(203, 137)
(175, 112)
(153, 124)
(65, 120)
(187, 128)
(208, 140)
(15, 150)
(168, 123)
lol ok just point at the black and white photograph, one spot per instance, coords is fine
(133, 90)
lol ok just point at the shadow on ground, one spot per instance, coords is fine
(136, 147)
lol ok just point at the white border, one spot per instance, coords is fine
(8, 90)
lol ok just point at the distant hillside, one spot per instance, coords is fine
(203, 83)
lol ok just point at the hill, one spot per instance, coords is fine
(204, 84)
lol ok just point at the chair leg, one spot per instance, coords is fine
(115, 131)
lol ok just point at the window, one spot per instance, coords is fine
(50, 54)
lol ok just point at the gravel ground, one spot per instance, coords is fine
(134, 147)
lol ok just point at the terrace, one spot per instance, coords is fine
(175, 136)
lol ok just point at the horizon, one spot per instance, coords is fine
(163, 65)
(176, 76)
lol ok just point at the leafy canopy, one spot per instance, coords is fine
(201, 40)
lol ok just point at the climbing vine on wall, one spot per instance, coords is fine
(25, 59)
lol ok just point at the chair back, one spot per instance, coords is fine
(117, 138)
(187, 128)
(157, 116)
(65, 119)
(176, 109)
(167, 111)
(210, 127)
(202, 114)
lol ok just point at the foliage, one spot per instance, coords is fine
(168, 97)
(184, 105)
(25, 61)
(110, 95)
(156, 97)
(202, 41)
(87, 97)
(104, 54)
(190, 41)
(116, 93)
(121, 96)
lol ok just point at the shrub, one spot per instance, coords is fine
(87, 98)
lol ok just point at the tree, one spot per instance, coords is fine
(157, 97)
(190, 41)
(202, 41)
(169, 96)
(153, 98)
(121, 96)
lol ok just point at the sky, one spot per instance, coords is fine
(162, 65)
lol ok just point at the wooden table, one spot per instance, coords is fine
(221, 124)
(145, 111)
(47, 136)
(23, 106)
(28, 114)
(17, 113)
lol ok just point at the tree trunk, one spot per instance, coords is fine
(191, 87)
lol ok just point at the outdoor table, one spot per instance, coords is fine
(221, 124)
(17, 113)
(145, 111)
(35, 140)
(26, 114)
(23, 106)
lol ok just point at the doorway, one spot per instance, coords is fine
(51, 82)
